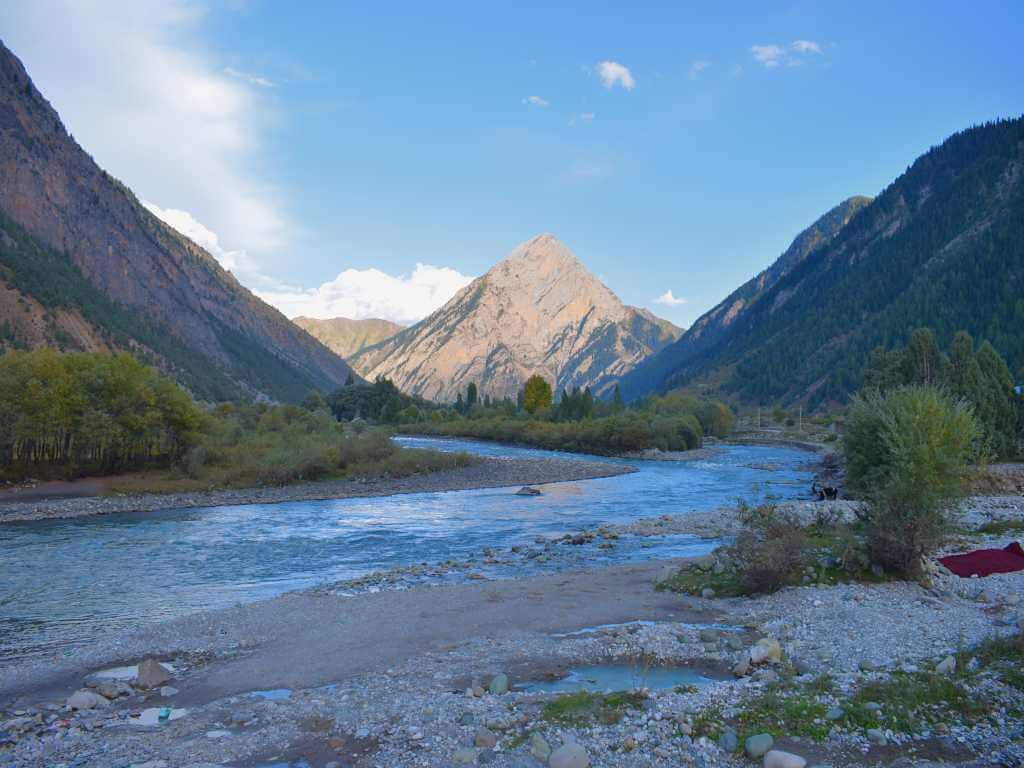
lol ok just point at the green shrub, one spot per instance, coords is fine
(771, 551)
(907, 453)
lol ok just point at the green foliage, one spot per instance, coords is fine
(71, 413)
(943, 244)
(275, 445)
(380, 402)
(612, 435)
(575, 406)
(536, 394)
(981, 379)
(907, 453)
(585, 707)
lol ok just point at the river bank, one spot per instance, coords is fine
(416, 676)
(489, 472)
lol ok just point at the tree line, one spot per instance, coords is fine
(91, 412)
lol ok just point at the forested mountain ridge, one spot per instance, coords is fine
(942, 246)
(714, 326)
(54, 193)
(539, 311)
(347, 337)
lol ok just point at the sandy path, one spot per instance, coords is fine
(306, 639)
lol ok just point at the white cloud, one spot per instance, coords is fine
(263, 82)
(612, 73)
(669, 300)
(362, 293)
(772, 56)
(806, 46)
(769, 55)
(698, 67)
(355, 293)
(143, 94)
(536, 101)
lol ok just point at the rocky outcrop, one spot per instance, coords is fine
(53, 190)
(537, 312)
(347, 337)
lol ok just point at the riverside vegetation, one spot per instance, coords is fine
(89, 414)
(580, 422)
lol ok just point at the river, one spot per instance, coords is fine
(64, 582)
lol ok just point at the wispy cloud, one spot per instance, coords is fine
(248, 77)
(612, 73)
(769, 55)
(793, 55)
(174, 126)
(536, 101)
(669, 300)
(806, 46)
(698, 67)
(354, 293)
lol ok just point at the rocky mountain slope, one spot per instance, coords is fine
(108, 254)
(538, 311)
(346, 337)
(714, 326)
(942, 246)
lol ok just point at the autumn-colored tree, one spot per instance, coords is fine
(536, 394)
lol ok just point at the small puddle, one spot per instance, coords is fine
(274, 694)
(617, 677)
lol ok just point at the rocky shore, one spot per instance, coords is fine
(489, 472)
(444, 675)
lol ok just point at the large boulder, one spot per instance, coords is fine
(776, 758)
(152, 674)
(757, 746)
(84, 699)
(569, 755)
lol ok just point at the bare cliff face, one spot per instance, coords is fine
(346, 337)
(537, 312)
(53, 190)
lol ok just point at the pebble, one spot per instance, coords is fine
(729, 741)
(464, 756)
(539, 747)
(484, 738)
(152, 674)
(877, 736)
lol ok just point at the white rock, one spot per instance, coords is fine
(947, 666)
(86, 700)
(776, 758)
(569, 755)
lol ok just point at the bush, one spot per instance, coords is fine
(771, 551)
(907, 454)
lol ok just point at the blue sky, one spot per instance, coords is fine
(343, 137)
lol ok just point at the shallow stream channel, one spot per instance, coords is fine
(65, 582)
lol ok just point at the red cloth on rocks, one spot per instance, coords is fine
(982, 562)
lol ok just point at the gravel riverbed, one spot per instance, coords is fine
(444, 702)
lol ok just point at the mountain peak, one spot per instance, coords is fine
(539, 310)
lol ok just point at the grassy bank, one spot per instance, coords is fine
(610, 436)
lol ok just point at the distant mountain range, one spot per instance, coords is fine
(538, 311)
(942, 246)
(347, 337)
(83, 265)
